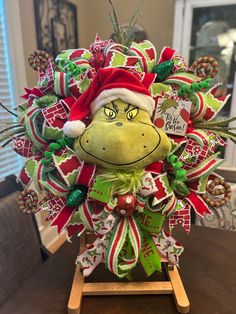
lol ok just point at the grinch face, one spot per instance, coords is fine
(122, 136)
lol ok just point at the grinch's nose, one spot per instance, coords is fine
(118, 123)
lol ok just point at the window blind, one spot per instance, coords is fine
(10, 162)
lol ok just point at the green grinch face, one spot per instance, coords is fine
(122, 136)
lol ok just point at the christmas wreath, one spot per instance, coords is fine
(118, 141)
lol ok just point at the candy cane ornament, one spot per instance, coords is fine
(28, 201)
(214, 191)
(205, 67)
(39, 60)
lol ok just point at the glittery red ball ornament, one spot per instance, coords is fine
(97, 60)
(126, 204)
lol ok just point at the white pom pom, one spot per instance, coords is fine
(73, 128)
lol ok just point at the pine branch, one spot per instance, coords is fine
(129, 33)
(125, 37)
(213, 123)
(116, 25)
(10, 128)
(11, 134)
(11, 139)
(5, 108)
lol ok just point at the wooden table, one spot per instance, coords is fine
(207, 270)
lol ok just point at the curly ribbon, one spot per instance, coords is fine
(194, 87)
(178, 184)
(39, 60)
(217, 196)
(54, 147)
(205, 67)
(68, 69)
(28, 201)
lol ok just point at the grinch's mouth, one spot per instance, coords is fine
(124, 164)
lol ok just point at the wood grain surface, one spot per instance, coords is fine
(207, 269)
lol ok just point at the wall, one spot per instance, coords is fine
(157, 21)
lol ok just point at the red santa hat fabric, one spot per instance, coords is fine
(110, 84)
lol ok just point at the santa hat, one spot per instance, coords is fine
(110, 84)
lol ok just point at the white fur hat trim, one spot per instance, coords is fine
(73, 128)
(139, 100)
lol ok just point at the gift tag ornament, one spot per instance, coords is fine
(172, 115)
(77, 196)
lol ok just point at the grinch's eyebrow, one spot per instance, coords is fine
(115, 106)
(128, 107)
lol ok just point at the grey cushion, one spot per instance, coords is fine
(19, 247)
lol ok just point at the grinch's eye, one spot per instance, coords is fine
(131, 114)
(110, 112)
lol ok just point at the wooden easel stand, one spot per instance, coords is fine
(173, 286)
